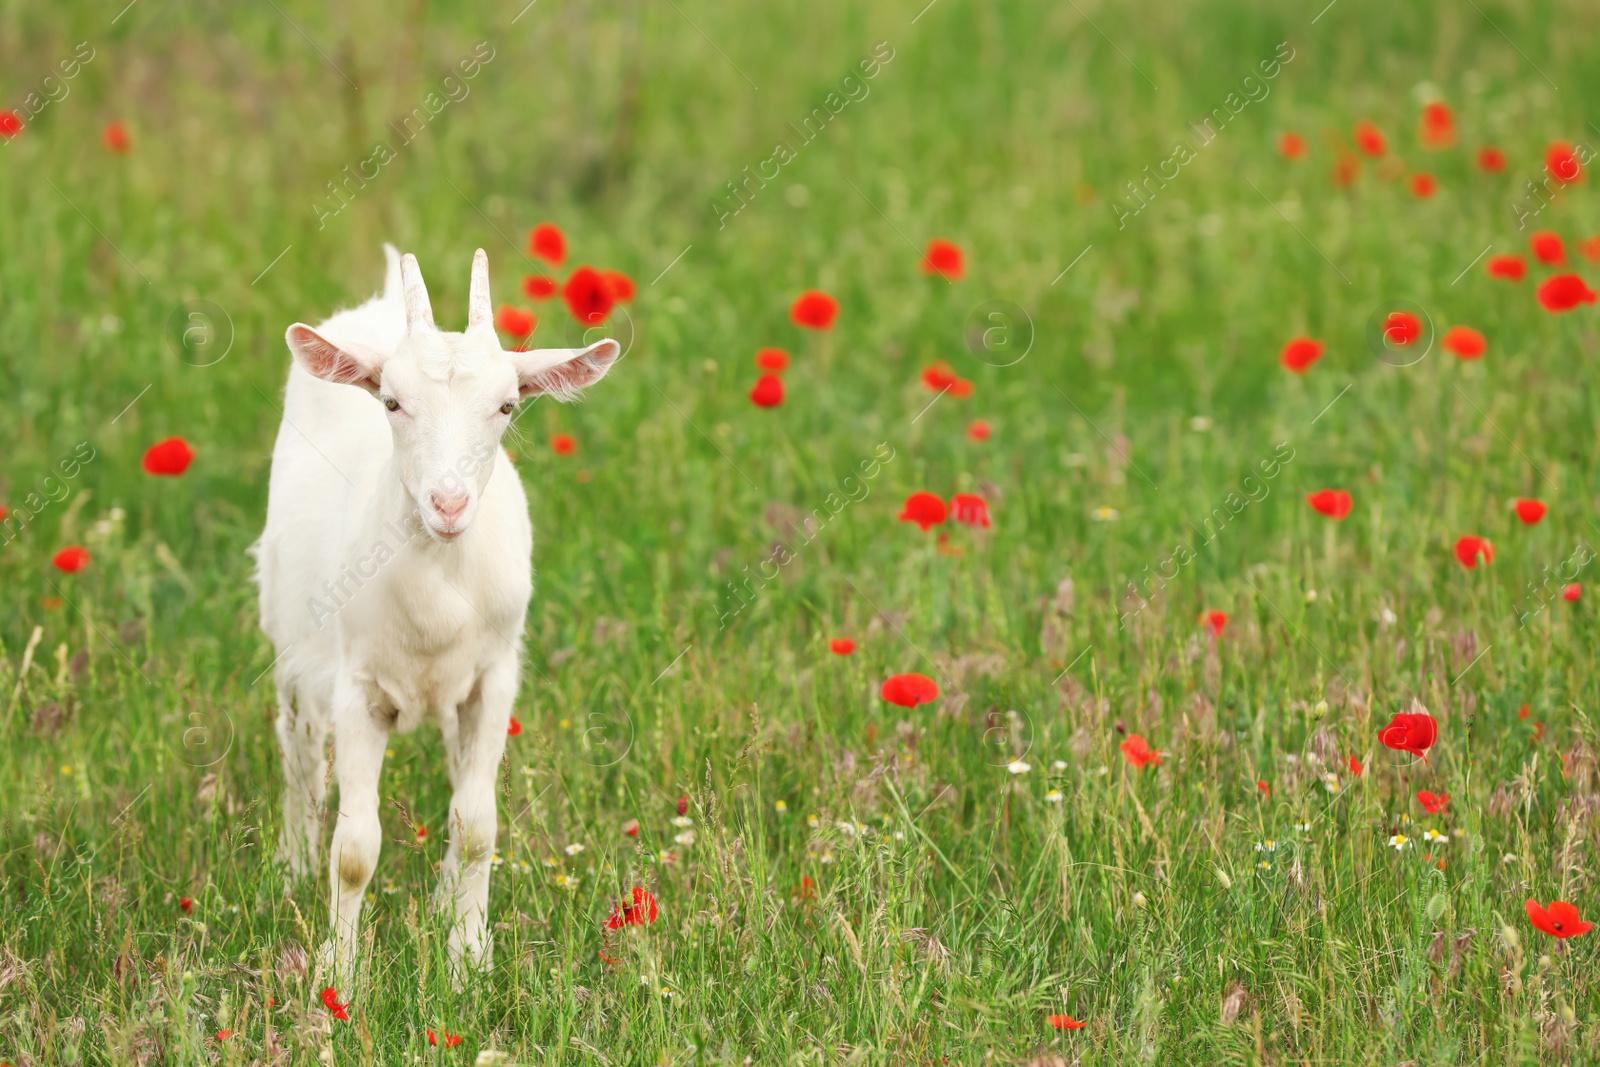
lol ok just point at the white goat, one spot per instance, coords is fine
(395, 575)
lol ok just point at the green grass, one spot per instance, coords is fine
(138, 764)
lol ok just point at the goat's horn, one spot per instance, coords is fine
(419, 313)
(480, 315)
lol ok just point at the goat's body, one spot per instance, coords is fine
(379, 627)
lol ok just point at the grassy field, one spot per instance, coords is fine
(851, 881)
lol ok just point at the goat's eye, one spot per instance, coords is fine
(391, 403)
(508, 407)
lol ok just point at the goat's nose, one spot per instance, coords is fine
(449, 505)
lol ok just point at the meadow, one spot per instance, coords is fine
(836, 878)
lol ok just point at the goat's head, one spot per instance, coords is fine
(449, 396)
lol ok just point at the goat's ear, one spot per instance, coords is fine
(341, 364)
(562, 373)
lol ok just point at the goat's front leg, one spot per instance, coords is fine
(360, 731)
(475, 748)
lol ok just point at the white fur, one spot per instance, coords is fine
(395, 575)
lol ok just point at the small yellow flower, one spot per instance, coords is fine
(813, 819)
(66, 768)
(566, 724)
(780, 807)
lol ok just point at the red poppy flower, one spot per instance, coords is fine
(1465, 342)
(168, 458)
(1413, 732)
(421, 831)
(1300, 353)
(1469, 548)
(1547, 247)
(1137, 751)
(978, 431)
(1572, 592)
(187, 904)
(641, 912)
(683, 804)
(1401, 328)
(1064, 1022)
(330, 998)
(814, 310)
(768, 391)
(1511, 268)
(223, 1035)
(514, 727)
(1530, 511)
(842, 646)
(944, 257)
(1334, 503)
(1562, 163)
(515, 322)
(1355, 767)
(1438, 129)
(631, 828)
(1264, 789)
(1432, 803)
(1346, 170)
(548, 243)
(1291, 145)
(1560, 919)
(939, 377)
(1423, 186)
(961, 389)
(1522, 712)
(450, 1040)
(619, 284)
(1369, 139)
(539, 286)
(115, 138)
(588, 296)
(563, 444)
(71, 559)
(1563, 292)
(775, 360)
(10, 124)
(1491, 159)
(1216, 620)
(909, 690)
(924, 509)
(970, 508)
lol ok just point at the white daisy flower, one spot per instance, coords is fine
(1018, 766)
(1399, 842)
(574, 848)
(1053, 797)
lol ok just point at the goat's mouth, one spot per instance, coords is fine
(442, 532)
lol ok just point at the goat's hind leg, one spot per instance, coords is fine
(302, 738)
